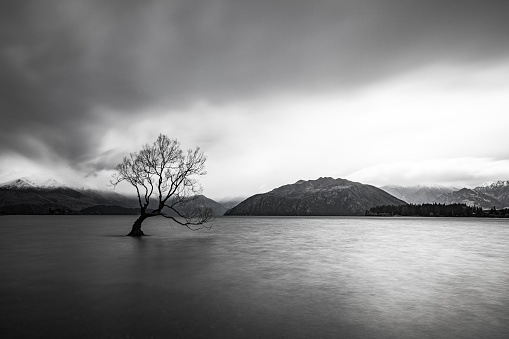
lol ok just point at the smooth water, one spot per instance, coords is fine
(336, 277)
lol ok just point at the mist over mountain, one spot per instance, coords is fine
(201, 202)
(419, 194)
(48, 196)
(469, 197)
(31, 182)
(323, 196)
(489, 195)
(498, 190)
(230, 202)
(23, 196)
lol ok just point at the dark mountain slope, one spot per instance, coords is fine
(73, 199)
(199, 202)
(324, 196)
(25, 199)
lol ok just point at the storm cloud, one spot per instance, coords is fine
(73, 71)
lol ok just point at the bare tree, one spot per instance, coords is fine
(164, 177)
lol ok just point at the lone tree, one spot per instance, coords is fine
(164, 178)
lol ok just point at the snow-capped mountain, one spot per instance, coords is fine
(499, 190)
(469, 197)
(488, 195)
(419, 194)
(31, 182)
(494, 184)
(40, 179)
(6, 176)
(39, 195)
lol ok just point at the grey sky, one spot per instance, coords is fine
(84, 82)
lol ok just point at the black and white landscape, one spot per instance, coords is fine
(395, 93)
(323, 196)
(282, 168)
(419, 194)
(39, 197)
(486, 196)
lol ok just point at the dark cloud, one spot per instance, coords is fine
(61, 60)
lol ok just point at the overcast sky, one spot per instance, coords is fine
(381, 92)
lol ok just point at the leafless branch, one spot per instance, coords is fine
(164, 173)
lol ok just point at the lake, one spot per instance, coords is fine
(254, 277)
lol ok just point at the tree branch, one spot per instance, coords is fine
(164, 169)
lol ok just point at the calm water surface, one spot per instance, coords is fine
(80, 277)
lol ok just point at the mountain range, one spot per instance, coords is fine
(26, 196)
(489, 195)
(419, 194)
(323, 196)
(494, 194)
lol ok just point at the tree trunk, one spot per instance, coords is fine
(136, 230)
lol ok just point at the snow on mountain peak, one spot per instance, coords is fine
(495, 184)
(16, 183)
(31, 181)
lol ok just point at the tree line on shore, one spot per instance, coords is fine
(437, 210)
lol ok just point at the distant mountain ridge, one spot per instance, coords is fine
(469, 197)
(419, 194)
(25, 182)
(323, 196)
(24, 196)
(498, 190)
(230, 202)
(486, 196)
